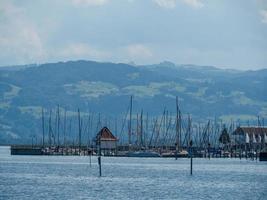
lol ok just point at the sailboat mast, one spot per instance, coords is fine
(180, 128)
(141, 128)
(137, 131)
(130, 123)
(146, 133)
(189, 132)
(50, 129)
(43, 126)
(58, 123)
(79, 128)
(177, 126)
(64, 128)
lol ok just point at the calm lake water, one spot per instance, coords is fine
(70, 177)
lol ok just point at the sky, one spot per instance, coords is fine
(221, 33)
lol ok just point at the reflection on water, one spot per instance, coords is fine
(70, 177)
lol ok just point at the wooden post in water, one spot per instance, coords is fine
(99, 155)
(91, 159)
(240, 152)
(191, 157)
(99, 164)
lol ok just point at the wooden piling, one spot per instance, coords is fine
(191, 165)
(191, 157)
(99, 155)
(90, 159)
(99, 164)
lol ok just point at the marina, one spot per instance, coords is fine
(167, 135)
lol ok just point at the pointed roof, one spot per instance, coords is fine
(105, 135)
(224, 137)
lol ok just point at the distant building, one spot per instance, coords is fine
(107, 141)
(251, 135)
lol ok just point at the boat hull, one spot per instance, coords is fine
(143, 154)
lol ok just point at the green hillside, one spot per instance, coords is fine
(203, 91)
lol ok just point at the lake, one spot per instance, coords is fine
(71, 177)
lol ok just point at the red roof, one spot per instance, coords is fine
(105, 135)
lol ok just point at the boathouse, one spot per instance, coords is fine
(107, 141)
(245, 135)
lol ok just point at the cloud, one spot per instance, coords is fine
(138, 51)
(81, 51)
(90, 2)
(263, 14)
(194, 3)
(20, 41)
(170, 4)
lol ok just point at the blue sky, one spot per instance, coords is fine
(222, 33)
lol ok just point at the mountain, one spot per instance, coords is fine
(203, 91)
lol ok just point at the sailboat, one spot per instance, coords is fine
(143, 152)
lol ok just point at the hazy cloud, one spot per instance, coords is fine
(81, 51)
(166, 3)
(194, 3)
(170, 4)
(263, 14)
(134, 31)
(139, 51)
(90, 2)
(19, 39)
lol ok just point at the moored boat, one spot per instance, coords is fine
(143, 154)
(180, 154)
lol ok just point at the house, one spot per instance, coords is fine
(107, 141)
(251, 135)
